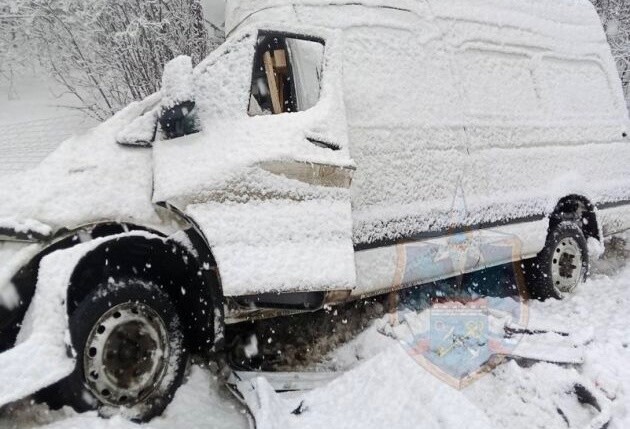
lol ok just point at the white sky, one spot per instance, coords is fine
(214, 11)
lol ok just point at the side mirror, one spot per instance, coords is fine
(177, 116)
(179, 120)
(177, 82)
(140, 132)
(175, 111)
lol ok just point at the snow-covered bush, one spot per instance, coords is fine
(12, 38)
(615, 15)
(109, 52)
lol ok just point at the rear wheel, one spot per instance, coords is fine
(129, 351)
(562, 265)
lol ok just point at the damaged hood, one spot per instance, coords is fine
(87, 179)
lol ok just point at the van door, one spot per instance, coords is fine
(408, 141)
(266, 179)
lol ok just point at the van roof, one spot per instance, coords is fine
(579, 13)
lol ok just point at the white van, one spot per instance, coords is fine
(324, 153)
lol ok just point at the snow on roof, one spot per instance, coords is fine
(572, 12)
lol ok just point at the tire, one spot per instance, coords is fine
(119, 331)
(562, 265)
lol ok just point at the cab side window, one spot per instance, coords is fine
(287, 74)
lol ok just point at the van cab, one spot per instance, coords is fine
(324, 153)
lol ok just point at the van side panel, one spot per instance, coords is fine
(516, 121)
(468, 121)
(402, 107)
(543, 121)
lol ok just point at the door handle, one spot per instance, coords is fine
(323, 144)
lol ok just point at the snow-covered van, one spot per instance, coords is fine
(328, 151)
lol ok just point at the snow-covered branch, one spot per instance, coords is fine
(615, 16)
(105, 53)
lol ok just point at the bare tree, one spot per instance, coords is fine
(615, 16)
(107, 53)
(12, 39)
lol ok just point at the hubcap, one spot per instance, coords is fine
(566, 265)
(125, 355)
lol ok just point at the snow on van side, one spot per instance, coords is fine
(517, 103)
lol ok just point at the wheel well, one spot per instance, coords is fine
(191, 282)
(25, 280)
(576, 208)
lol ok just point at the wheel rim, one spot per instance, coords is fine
(566, 265)
(125, 356)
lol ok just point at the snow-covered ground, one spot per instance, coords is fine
(200, 403)
(383, 385)
(33, 123)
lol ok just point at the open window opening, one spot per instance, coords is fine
(287, 74)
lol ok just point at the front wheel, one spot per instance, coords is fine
(562, 265)
(129, 351)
